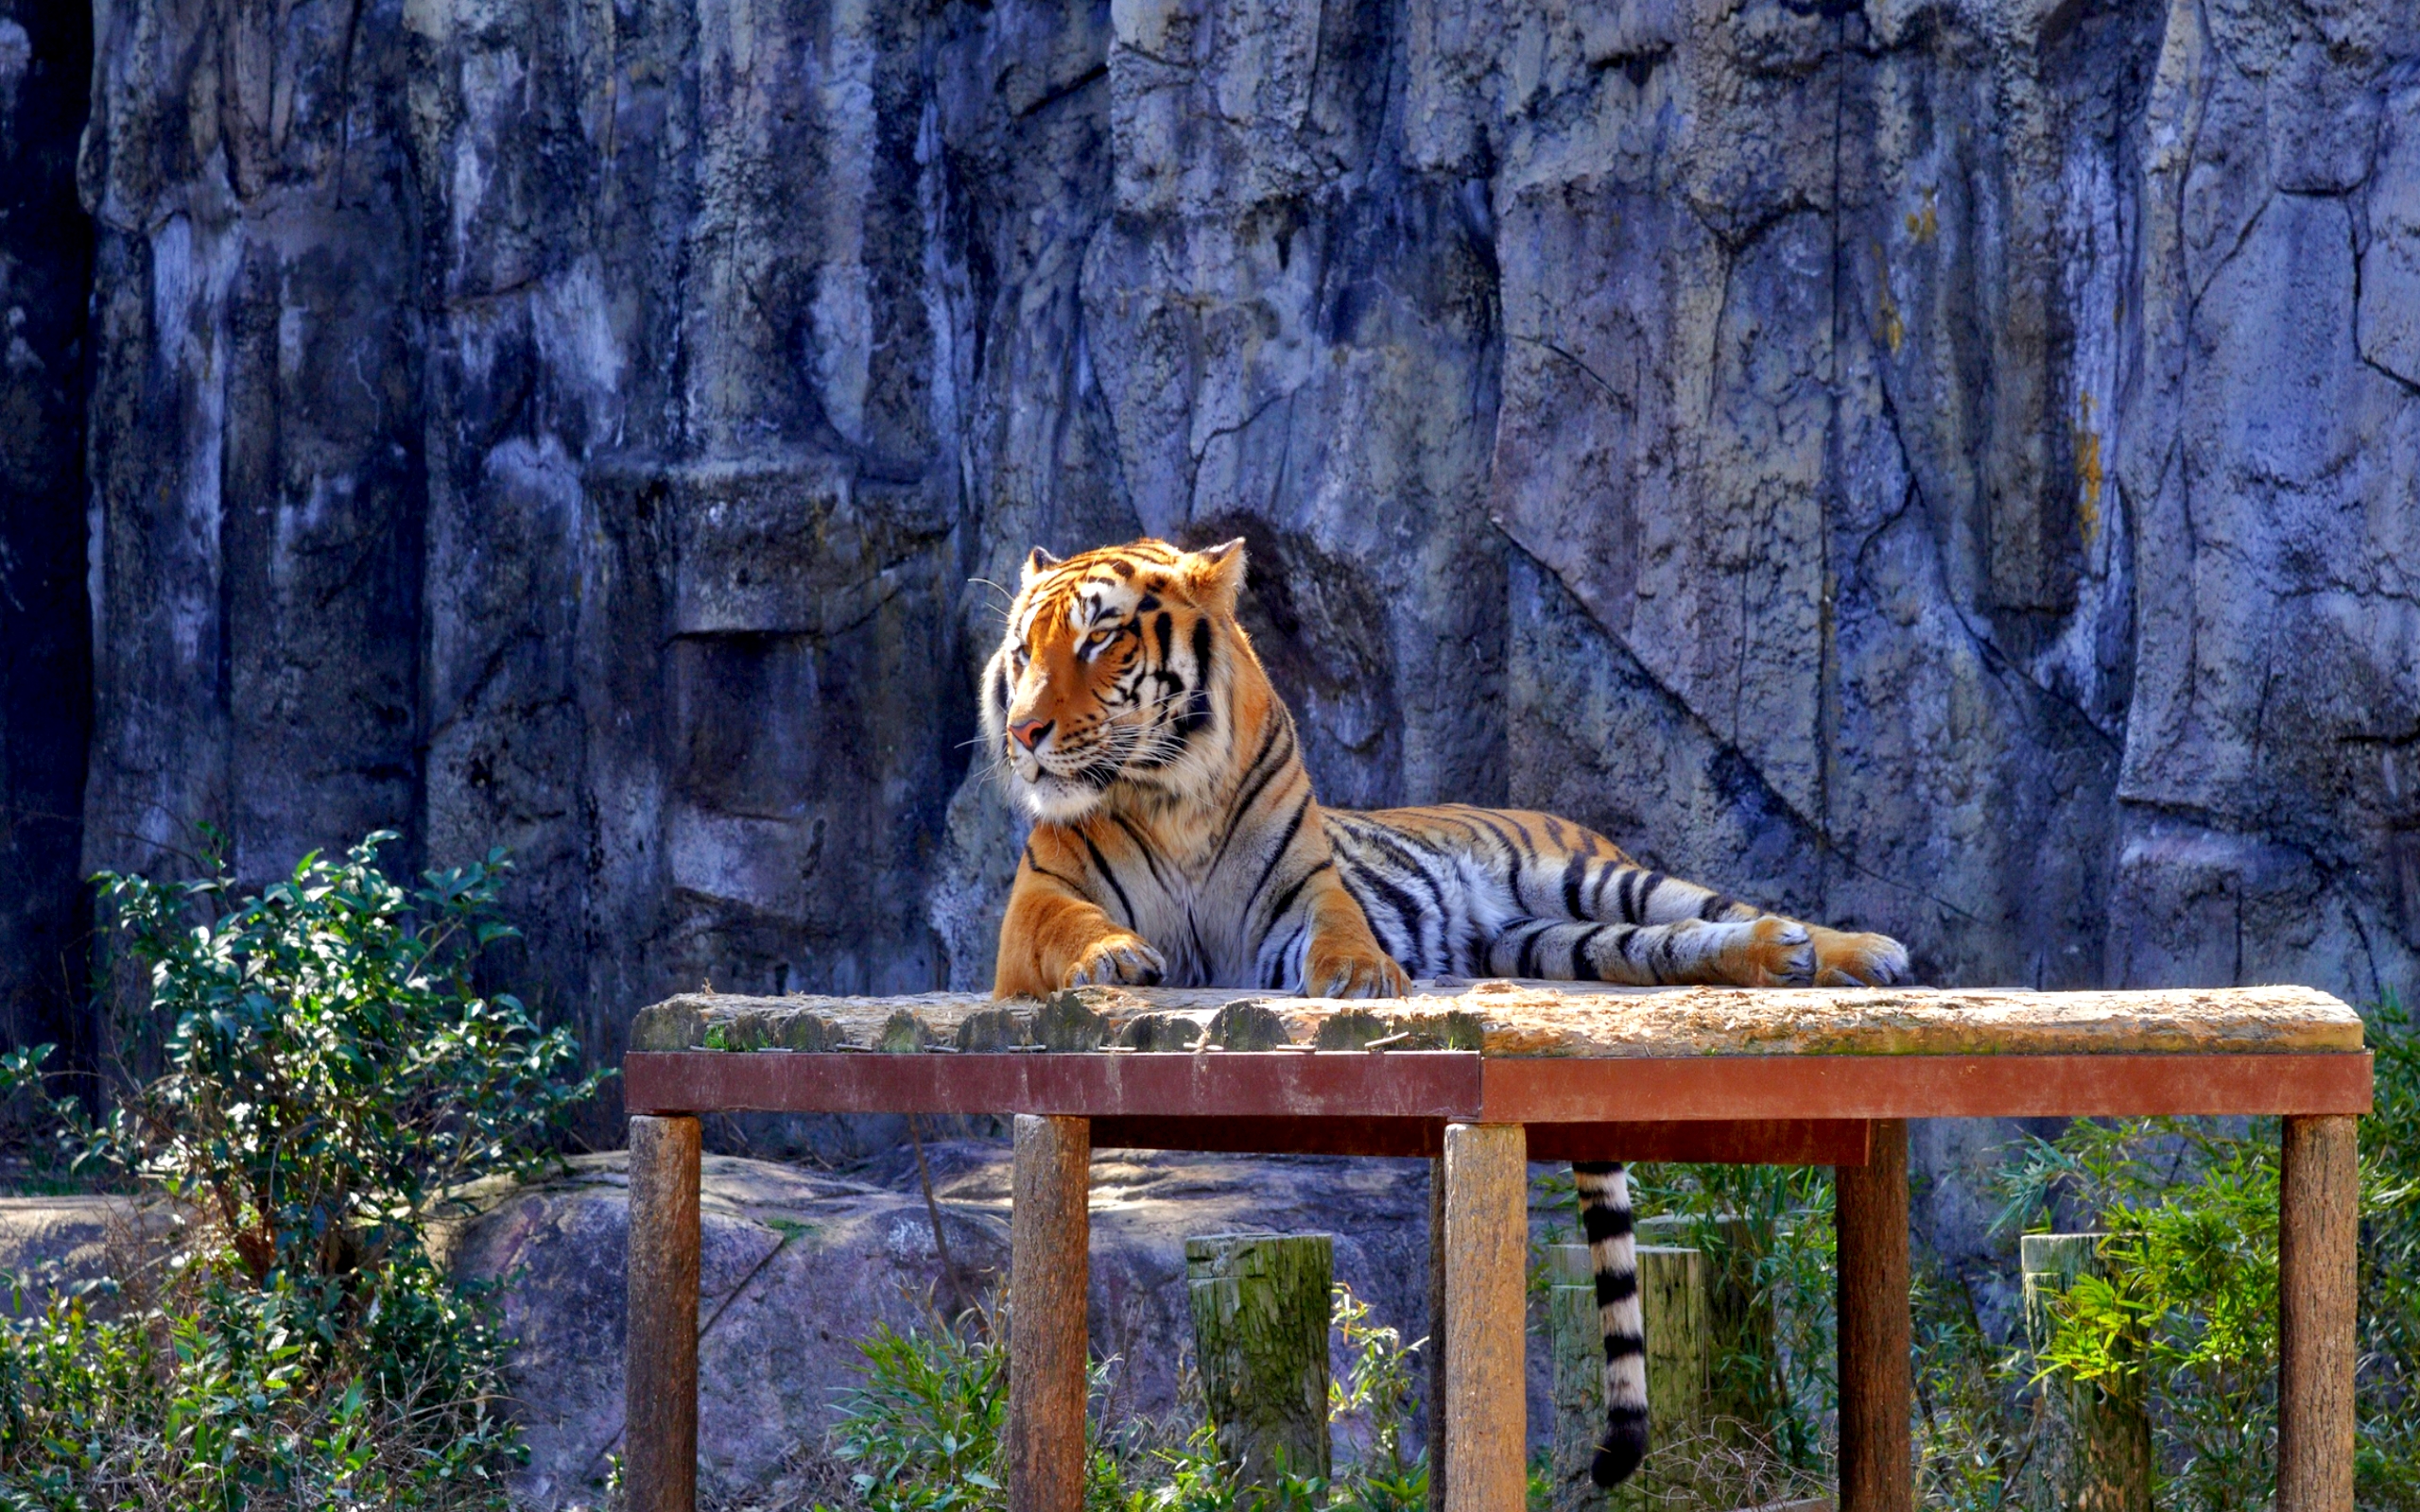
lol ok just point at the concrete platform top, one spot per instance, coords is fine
(1509, 1019)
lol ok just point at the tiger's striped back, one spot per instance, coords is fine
(1460, 891)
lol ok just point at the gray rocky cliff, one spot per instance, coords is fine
(1953, 468)
(45, 665)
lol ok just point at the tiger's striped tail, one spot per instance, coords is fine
(1606, 1217)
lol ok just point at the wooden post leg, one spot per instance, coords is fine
(660, 1468)
(1877, 1451)
(1437, 1333)
(1487, 1249)
(1049, 1234)
(2317, 1258)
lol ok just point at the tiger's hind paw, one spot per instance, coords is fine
(1780, 952)
(1843, 959)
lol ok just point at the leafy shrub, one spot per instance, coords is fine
(326, 1071)
(2387, 1457)
(923, 1425)
(330, 1070)
(1379, 1395)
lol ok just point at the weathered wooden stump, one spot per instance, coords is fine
(1575, 1338)
(1674, 1307)
(2097, 1452)
(1261, 1309)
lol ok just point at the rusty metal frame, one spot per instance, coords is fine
(1728, 1142)
(1424, 1087)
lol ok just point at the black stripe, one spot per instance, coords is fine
(1525, 962)
(1574, 871)
(1528, 843)
(1407, 907)
(1286, 899)
(1520, 899)
(1616, 1286)
(1714, 906)
(1100, 863)
(1601, 1223)
(1006, 689)
(1621, 1347)
(1277, 726)
(1293, 827)
(1145, 846)
(1068, 883)
(1582, 969)
(1164, 631)
(1647, 890)
(1596, 893)
(1197, 709)
(1596, 1167)
(1624, 894)
(1275, 976)
(1402, 849)
(1405, 911)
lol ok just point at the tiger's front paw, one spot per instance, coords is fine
(1843, 959)
(1358, 971)
(1119, 959)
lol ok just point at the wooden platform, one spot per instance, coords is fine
(1485, 1076)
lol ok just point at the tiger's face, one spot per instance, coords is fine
(1110, 669)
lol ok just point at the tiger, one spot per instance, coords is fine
(1176, 840)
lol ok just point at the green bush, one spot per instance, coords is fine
(2387, 1456)
(326, 1071)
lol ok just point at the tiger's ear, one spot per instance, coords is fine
(1037, 561)
(1215, 574)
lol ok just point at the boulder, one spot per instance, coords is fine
(797, 1265)
(59, 1241)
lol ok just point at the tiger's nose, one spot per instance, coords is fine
(1029, 733)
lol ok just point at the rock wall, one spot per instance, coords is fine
(1947, 467)
(45, 665)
